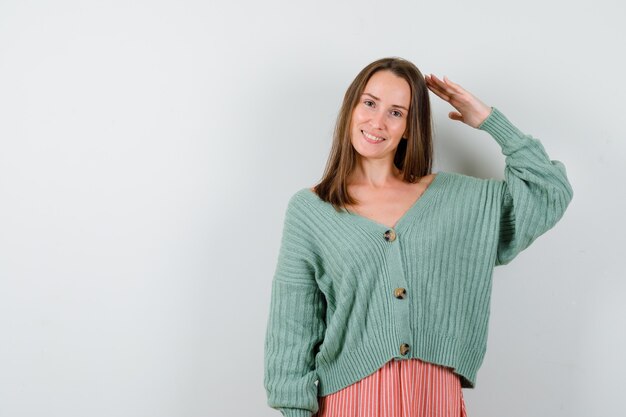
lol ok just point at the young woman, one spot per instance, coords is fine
(380, 298)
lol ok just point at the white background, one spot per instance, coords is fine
(148, 150)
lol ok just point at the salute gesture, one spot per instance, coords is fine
(471, 110)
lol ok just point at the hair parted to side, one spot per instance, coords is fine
(414, 153)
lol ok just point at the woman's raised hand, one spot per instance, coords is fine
(471, 110)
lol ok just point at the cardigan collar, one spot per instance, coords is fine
(415, 210)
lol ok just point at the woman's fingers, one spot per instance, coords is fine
(454, 86)
(439, 93)
(448, 87)
(442, 96)
(470, 110)
(442, 89)
(440, 84)
(436, 88)
(450, 92)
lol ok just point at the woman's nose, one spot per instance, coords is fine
(377, 119)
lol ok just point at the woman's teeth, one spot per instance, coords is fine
(373, 138)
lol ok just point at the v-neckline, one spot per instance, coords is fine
(418, 206)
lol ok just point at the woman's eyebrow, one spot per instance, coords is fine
(394, 105)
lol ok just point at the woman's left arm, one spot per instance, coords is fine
(535, 191)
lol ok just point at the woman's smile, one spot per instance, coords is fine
(371, 138)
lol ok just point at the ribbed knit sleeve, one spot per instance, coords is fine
(535, 190)
(296, 321)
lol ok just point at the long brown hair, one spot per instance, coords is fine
(414, 153)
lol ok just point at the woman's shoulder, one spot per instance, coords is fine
(299, 198)
(427, 179)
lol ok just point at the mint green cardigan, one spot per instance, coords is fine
(349, 294)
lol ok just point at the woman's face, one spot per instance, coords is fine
(381, 113)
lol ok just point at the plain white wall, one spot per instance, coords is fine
(148, 150)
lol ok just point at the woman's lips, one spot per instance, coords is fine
(371, 140)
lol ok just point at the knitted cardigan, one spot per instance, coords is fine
(349, 293)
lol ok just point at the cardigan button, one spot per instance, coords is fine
(400, 293)
(404, 349)
(390, 235)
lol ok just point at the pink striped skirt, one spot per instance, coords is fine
(400, 388)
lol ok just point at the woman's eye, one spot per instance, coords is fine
(397, 113)
(368, 101)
